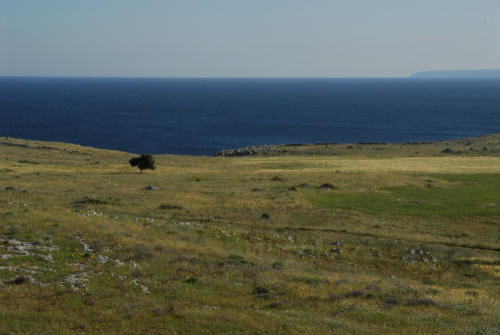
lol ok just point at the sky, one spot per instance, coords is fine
(246, 38)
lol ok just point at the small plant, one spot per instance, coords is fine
(354, 294)
(392, 301)
(191, 280)
(86, 200)
(420, 302)
(139, 252)
(307, 280)
(447, 151)
(144, 162)
(432, 291)
(278, 265)
(170, 206)
(274, 305)
(428, 281)
(236, 260)
(261, 291)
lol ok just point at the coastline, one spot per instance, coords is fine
(480, 145)
(484, 145)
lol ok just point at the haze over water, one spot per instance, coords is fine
(202, 116)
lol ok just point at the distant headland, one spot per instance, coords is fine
(472, 74)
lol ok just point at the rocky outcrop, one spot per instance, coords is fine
(247, 151)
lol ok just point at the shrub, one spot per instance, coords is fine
(144, 162)
(261, 291)
(278, 265)
(90, 200)
(236, 259)
(421, 302)
(139, 252)
(191, 280)
(354, 294)
(392, 301)
(169, 206)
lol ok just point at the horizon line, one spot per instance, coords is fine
(198, 77)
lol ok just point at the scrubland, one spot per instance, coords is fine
(319, 239)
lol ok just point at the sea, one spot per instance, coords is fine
(200, 116)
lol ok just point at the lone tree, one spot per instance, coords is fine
(144, 162)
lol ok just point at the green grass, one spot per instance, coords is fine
(469, 195)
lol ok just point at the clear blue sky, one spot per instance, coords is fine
(247, 38)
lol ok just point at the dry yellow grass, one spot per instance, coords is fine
(197, 256)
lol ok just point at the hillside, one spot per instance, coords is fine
(306, 239)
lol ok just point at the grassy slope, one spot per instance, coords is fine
(231, 271)
(488, 145)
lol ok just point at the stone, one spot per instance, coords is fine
(143, 288)
(419, 255)
(247, 151)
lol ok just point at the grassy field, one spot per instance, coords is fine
(374, 239)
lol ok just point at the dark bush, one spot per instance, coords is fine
(144, 162)
(354, 294)
(169, 206)
(278, 266)
(236, 260)
(261, 291)
(326, 186)
(392, 301)
(90, 200)
(191, 280)
(19, 281)
(421, 302)
(274, 305)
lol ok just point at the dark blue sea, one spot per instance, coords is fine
(202, 116)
